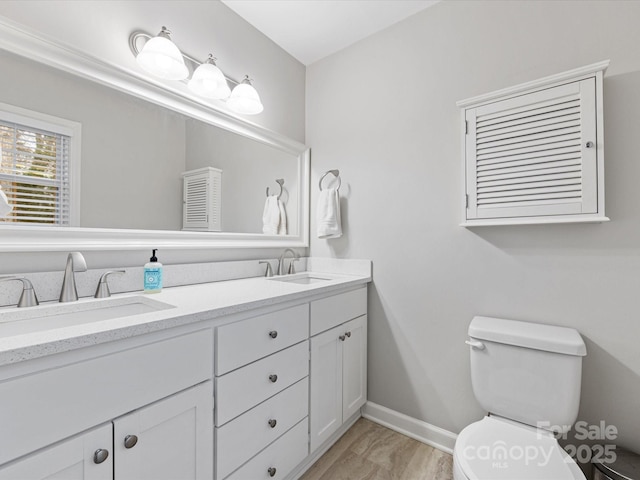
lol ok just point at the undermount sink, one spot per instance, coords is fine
(304, 278)
(60, 315)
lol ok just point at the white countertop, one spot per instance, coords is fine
(192, 304)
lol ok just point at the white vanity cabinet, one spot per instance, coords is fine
(142, 408)
(72, 459)
(338, 362)
(155, 442)
(262, 396)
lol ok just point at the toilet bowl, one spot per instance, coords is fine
(497, 449)
(527, 376)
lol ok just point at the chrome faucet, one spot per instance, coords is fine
(75, 263)
(281, 261)
(28, 297)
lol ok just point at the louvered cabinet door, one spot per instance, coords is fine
(195, 212)
(202, 196)
(533, 154)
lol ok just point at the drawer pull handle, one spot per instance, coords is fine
(273, 334)
(348, 334)
(100, 455)
(271, 471)
(342, 337)
(273, 423)
(273, 378)
(130, 441)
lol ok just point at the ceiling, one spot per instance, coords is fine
(313, 29)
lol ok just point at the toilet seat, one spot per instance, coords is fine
(498, 449)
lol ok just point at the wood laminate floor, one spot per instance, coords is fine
(369, 451)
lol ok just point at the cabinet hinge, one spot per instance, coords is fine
(466, 127)
(466, 200)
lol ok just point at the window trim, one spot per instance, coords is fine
(73, 130)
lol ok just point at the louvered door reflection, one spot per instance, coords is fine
(202, 200)
(534, 154)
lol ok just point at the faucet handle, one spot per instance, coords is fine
(292, 269)
(269, 271)
(102, 291)
(28, 298)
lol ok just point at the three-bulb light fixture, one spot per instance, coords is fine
(162, 58)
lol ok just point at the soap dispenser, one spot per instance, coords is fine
(153, 274)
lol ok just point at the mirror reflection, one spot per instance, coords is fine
(134, 155)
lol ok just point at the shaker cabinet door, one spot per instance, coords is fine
(167, 440)
(87, 456)
(325, 396)
(354, 366)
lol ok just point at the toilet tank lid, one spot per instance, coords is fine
(549, 338)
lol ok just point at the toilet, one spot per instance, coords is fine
(527, 377)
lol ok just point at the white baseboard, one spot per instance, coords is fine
(411, 427)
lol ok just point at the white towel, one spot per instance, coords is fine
(282, 225)
(274, 217)
(5, 207)
(271, 216)
(328, 214)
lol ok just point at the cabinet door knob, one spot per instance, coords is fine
(271, 471)
(130, 441)
(273, 334)
(273, 378)
(342, 337)
(273, 423)
(100, 455)
(589, 144)
(348, 334)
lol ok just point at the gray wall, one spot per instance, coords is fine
(383, 111)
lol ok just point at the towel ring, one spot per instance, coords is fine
(279, 181)
(335, 173)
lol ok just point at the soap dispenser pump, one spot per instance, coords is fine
(153, 274)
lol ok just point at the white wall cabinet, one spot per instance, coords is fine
(338, 373)
(534, 153)
(202, 200)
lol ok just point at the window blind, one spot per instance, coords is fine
(34, 174)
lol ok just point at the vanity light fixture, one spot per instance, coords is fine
(162, 58)
(245, 99)
(208, 81)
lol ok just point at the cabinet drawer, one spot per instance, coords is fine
(243, 342)
(332, 311)
(238, 391)
(45, 407)
(242, 438)
(283, 456)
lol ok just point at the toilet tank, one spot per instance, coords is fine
(527, 372)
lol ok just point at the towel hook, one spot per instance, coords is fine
(336, 173)
(279, 181)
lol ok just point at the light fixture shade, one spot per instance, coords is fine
(244, 99)
(162, 58)
(208, 81)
